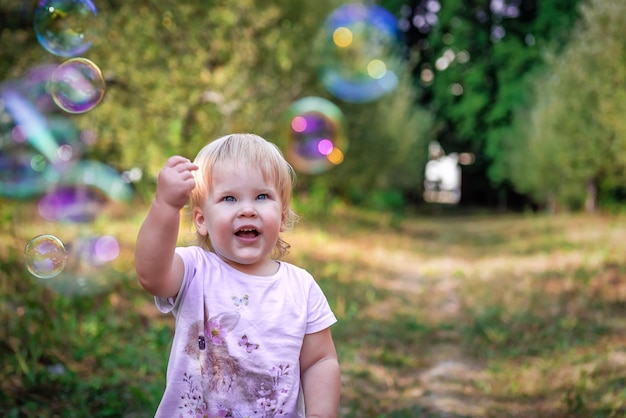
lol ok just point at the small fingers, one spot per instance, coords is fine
(181, 164)
(175, 160)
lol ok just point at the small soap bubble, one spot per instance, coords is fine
(65, 27)
(315, 139)
(45, 256)
(106, 249)
(77, 85)
(92, 266)
(359, 50)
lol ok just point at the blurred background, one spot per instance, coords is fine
(461, 182)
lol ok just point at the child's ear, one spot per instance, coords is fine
(283, 222)
(198, 220)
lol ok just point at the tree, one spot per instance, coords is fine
(180, 73)
(573, 147)
(478, 60)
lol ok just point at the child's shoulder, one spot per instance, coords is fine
(295, 270)
(196, 254)
(191, 249)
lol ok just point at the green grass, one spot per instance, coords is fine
(439, 316)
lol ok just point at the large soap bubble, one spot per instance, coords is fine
(77, 85)
(72, 203)
(25, 122)
(40, 156)
(358, 48)
(315, 137)
(34, 87)
(65, 27)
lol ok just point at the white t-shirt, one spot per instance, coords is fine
(237, 339)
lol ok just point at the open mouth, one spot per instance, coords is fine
(247, 233)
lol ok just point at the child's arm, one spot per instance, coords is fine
(320, 374)
(159, 270)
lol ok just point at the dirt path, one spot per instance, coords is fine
(431, 277)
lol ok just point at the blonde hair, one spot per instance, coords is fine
(250, 150)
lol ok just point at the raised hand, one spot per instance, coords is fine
(176, 181)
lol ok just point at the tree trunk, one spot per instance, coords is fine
(552, 207)
(591, 200)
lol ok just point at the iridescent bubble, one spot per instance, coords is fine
(72, 204)
(96, 174)
(34, 147)
(45, 256)
(18, 179)
(34, 87)
(81, 191)
(359, 53)
(32, 124)
(315, 139)
(24, 141)
(106, 249)
(65, 27)
(77, 85)
(92, 266)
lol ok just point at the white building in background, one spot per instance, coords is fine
(442, 177)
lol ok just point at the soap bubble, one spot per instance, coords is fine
(25, 123)
(65, 27)
(45, 256)
(94, 265)
(315, 138)
(77, 85)
(358, 46)
(72, 203)
(38, 150)
(40, 154)
(96, 174)
(25, 145)
(106, 249)
(34, 87)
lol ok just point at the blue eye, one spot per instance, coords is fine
(262, 196)
(229, 199)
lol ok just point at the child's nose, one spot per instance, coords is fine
(247, 209)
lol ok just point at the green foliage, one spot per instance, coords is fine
(180, 74)
(185, 73)
(480, 82)
(388, 145)
(574, 137)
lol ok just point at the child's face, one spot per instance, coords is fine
(242, 215)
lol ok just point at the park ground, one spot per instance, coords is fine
(440, 314)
